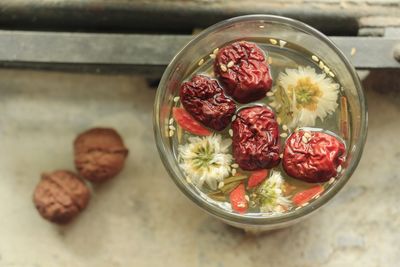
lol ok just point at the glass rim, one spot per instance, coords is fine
(171, 166)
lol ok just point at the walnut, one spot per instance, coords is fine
(99, 154)
(60, 196)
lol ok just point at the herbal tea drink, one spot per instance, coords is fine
(260, 120)
(260, 127)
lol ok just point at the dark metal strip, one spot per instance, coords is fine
(174, 15)
(146, 53)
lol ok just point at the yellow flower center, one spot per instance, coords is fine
(307, 93)
(204, 154)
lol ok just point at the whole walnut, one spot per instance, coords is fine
(60, 196)
(99, 154)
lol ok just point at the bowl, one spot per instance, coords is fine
(256, 27)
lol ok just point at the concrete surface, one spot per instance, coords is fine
(141, 219)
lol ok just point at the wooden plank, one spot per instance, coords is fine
(340, 17)
(145, 53)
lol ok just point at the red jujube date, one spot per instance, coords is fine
(313, 156)
(256, 138)
(205, 100)
(242, 68)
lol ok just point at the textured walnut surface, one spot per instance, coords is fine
(60, 196)
(99, 154)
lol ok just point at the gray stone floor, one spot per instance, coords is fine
(141, 219)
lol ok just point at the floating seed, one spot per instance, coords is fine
(284, 127)
(230, 64)
(273, 41)
(321, 65)
(171, 133)
(307, 135)
(281, 155)
(282, 43)
(230, 132)
(234, 172)
(235, 165)
(331, 74)
(233, 117)
(331, 180)
(247, 198)
(353, 51)
(176, 99)
(201, 62)
(304, 139)
(261, 26)
(223, 67)
(339, 168)
(212, 56)
(283, 135)
(171, 121)
(315, 58)
(270, 94)
(171, 127)
(220, 185)
(215, 51)
(326, 69)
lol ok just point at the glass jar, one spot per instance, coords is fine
(259, 26)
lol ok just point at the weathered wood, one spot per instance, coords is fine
(340, 17)
(145, 53)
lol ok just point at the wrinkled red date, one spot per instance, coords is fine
(313, 158)
(205, 100)
(248, 79)
(255, 138)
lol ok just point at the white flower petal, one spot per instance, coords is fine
(272, 193)
(326, 103)
(306, 118)
(206, 160)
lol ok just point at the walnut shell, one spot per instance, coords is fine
(99, 154)
(60, 196)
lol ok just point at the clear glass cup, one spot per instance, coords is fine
(256, 26)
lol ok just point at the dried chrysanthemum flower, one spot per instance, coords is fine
(206, 159)
(270, 194)
(302, 95)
